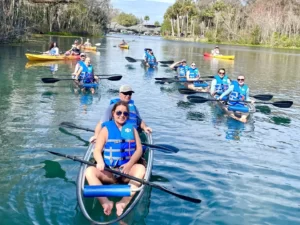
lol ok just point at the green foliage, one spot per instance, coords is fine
(166, 27)
(156, 23)
(127, 20)
(146, 18)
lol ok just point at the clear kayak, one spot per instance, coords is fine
(91, 208)
(45, 57)
(230, 57)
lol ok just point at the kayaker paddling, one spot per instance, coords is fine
(53, 49)
(238, 92)
(87, 43)
(125, 94)
(78, 64)
(109, 154)
(151, 59)
(85, 75)
(193, 79)
(215, 51)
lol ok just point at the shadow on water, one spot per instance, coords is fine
(54, 170)
(113, 91)
(130, 67)
(281, 120)
(86, 143)
(264, 109)
(198, 116)
(185, 105)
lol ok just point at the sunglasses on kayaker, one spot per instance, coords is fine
(127, 93)
(221, 73)
(240, 79)
(193, 65)
(119, 113)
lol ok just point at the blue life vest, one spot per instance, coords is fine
(120, 145)
(222, 84)
(151, 60)
(182, 71)
(86, 75)
(200, 84)
(238, 94)
(193, 72)
(132, 112)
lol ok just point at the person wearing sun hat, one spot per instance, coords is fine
(125, 93)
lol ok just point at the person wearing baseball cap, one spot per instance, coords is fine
(125, 93)
(181, 68)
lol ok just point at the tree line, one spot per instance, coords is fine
(258, 22)
(21, 17)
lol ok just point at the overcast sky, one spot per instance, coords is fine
(155, 9)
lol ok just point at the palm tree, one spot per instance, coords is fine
(146, 18)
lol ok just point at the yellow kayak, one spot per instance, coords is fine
(40, 57)
(124, 46)
(94, 48)
(230, 57)
(31, 64)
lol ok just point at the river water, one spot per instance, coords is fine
(244, 173)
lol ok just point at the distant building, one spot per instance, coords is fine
(146, 29)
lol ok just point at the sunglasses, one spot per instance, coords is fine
(193, 65)
(221, 73)
(82, 56)
(127, 93)
(240, 79)
(119, 113)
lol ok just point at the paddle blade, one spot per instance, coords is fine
(164, 147)
(129, 59)
(186, 91)
(50, 80)
(265, 97)
(197, 99)
(167, 62)
(283, 104)
(114, 78)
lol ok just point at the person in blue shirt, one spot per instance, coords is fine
(118, 147)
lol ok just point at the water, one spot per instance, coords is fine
(244, 173)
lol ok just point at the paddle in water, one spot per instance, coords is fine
(97, 75)
(280, 104)
(142, 181)
(176, 77)
(165, 147)
(130, 59)
(54, 80)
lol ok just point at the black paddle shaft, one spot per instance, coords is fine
(142, 181)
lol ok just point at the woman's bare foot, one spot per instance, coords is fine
(120, 206)
(107, 207)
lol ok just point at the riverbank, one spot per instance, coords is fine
(205, 40)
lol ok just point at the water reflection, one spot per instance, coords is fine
(281, 120)
(264, 109)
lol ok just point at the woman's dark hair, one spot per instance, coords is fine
(221, 69)
(118, 104)
(52, 45)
